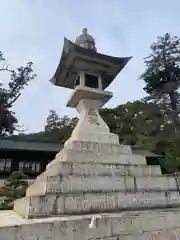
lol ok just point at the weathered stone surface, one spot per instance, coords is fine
(156, 183)
(39, 206)
(58, 204)
(89, 157)
(97, 147)
(95, 137)
(99, 169)
(91, 127)
(139, 225)
(114, 169)
(73, 184)
(90, 181)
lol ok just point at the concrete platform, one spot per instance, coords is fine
(134, 225)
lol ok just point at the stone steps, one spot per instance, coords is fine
(124, 225)
(96, 147)
(76, 184)
(72, 155)
(83, 203)
(99, 169)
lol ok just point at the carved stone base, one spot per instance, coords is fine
(78, 184)
(52, 204)
(88, 177)
(97, 147)
(88, 157)
(99, 169)
(138, 225)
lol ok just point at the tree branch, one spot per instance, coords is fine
(6, 69)
(10, 103)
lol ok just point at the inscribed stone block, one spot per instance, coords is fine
(100, 201)
(173, 197)
(155, 183)
(74, 203)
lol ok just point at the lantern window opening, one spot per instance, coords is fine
(91, 80)
(77, 82)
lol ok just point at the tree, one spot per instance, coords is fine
(58, 129)
(172, 156)
(14, 187)
(162, 74)
(19, 78)
(134, 120)
(52, 121)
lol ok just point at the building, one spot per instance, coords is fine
(31, 157)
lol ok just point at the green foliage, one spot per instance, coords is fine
(162, 79)
(19, 78)
(132, 120)
(14, 187)
(163, 65)
(52, 121)
(146, 142)
(162, 75)
(137, 123)
(59, 129)
(172, 156)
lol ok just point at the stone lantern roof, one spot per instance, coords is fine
(75, 58)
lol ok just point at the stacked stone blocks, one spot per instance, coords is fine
(88, 177)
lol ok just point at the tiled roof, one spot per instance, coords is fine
(30, 145)
(143, 152)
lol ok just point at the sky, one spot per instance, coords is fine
(34, 30)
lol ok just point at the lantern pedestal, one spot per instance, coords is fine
(91, 127)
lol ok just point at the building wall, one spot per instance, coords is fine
(31, 163)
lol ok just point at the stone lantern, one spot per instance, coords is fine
(88, 73)
(95, 188)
